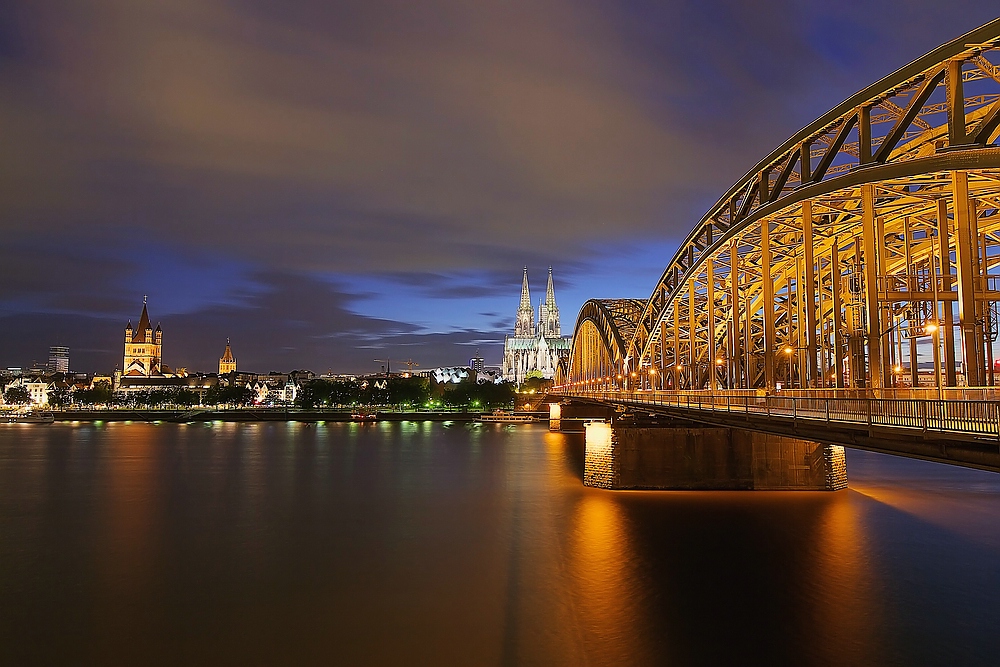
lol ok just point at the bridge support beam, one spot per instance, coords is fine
(871, 262)
(944, 264)
(810, 297)
(632, 457)
(967, 258)
(767, 303)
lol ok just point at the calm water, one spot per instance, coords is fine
(431, 544)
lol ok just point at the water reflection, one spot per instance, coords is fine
(418, 543)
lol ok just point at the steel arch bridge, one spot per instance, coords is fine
(870, 233)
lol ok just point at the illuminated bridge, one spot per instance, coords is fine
(845, 289)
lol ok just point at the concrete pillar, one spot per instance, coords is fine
(708, 459)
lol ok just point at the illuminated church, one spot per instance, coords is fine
(227, 362)
(144, 350)
(143, 347)
(535, 346)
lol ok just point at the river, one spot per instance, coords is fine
(464, 544)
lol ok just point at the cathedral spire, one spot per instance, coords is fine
(525, 296)
(550, 293)
(524, 324)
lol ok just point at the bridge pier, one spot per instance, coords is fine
(632, 457)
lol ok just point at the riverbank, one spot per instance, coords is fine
(269, 414)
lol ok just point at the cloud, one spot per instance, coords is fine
(211, 153)
(288, 321)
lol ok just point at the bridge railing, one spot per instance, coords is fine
(977, 418)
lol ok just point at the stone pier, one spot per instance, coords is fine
(630, 457)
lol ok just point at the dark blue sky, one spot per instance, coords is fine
(331, 182)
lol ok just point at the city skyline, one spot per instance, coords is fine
(335, 185)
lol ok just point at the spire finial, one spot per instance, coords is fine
(144, 299)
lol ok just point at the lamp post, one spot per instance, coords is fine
(932, 328)
(789, 351)
(719, 361)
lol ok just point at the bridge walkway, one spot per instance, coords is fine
(964, 432)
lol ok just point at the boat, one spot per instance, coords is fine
(362, 416)
(501, 417)
(32, 417)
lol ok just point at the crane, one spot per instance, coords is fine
(410, 363)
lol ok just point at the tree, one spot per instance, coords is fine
(59, 397)
(234, 395)
(483, 396)
(186, 397)
(99, 395)
(534, 382)
(411, 390)
(17, 396)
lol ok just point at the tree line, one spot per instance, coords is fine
(413, 393)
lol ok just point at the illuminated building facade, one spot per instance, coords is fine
(535, 346)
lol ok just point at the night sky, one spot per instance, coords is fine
(329, 182)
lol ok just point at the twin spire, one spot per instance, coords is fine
(548, 312)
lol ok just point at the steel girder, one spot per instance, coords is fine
(904, 173)
(603, 330)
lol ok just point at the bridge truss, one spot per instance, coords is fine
(868, 236)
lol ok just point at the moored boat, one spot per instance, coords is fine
(503, 417)
(31, 417)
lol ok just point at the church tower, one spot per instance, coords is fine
(535, 348)
(227, 363)
(143, 348)
(524, 325)
(548, 313)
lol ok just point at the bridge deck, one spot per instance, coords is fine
(962, 432)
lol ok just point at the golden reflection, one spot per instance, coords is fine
(847, 607)
(130, 493)
(601, 564)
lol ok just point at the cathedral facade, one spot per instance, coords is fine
(535, 346)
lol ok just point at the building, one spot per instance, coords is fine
(477, 363)
(535, 347)
(227, 363)
(58, 359)
(451, 374)
(38, 390)
(143, 348)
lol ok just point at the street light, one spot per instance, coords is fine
(932, 328)
(789, 350)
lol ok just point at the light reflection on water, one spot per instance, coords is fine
(420, 543)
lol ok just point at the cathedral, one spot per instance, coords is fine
(535, 346)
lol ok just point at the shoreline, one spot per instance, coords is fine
(270, 415)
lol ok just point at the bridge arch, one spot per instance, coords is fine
(603, 330)
(863, 240)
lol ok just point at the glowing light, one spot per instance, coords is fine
(652, 371)
(680, 367)
(719, 362)
(931, 327)
(788, 350)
